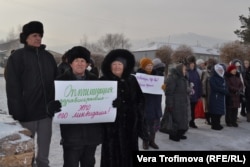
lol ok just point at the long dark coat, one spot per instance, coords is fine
(153, 109)
(177, 99)
(121, 137)
(217, 100)
(234, 85)
(247, 91)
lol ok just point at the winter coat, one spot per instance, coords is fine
(205, 77)
(30, 75)
(193, 76)
(177, 100)
(121, 137)
(247, 91)
(235, 86)
(153, 109)
(80, 134)
(218, 93)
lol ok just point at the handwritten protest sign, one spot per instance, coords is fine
(150, 83)
(85, 101)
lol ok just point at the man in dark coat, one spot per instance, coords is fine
(121, 137)
(79, 141)
(30, 75)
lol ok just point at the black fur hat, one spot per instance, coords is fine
(118, 54)
(78, 52)
(191, 59)
(29, 28)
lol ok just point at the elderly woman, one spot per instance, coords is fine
(217, 97)
(121, 137)
(177, 102)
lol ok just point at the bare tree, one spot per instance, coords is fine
(232, 50)
(92, 47)
(164, 53)
(182, 53)
(98, 58)
(114, 41)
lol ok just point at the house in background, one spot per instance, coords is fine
(199, 52)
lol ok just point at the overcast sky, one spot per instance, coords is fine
(67, 21)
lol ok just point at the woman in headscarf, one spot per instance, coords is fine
(120, 138)
(217, 98)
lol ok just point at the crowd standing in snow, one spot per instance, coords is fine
(31, 71)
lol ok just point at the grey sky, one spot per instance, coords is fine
(67, 21)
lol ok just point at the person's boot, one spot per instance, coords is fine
(174, 138)
(192, 124)
(181, 134)
(152, 142)
(248, 117)
(145, 145)
(207, 116)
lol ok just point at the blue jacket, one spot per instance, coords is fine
(194, 77)
(219, 90)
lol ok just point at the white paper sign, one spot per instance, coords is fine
(85, 101)
(150, 83)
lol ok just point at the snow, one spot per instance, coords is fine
(203, 138)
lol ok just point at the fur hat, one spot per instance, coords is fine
(144, 62)
(30, 28)
(231, 67)
(158, 63)
(191, 59)
(120, 55)
(78, 52)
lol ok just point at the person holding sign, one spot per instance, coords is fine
(121, 137)
(153, 110)
(79, 141)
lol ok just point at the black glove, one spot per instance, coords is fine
(117, 103)
(53, 107)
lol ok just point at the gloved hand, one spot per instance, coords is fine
(164, 87)
(53, 107)
(117, 103)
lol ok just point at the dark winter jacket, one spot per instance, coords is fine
(121, 137)
(194, 77)
(80, 134)
(218, 92)
(177, 101)
(235, 87)
(30, 75)
(153, 108)
(247, 91)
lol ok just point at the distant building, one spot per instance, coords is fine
(199, 52)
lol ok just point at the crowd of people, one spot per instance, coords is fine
(31, 71)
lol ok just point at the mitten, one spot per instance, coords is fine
(116, 103)
(53, 107)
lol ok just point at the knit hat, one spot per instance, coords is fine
(231, 67)
(30, 28)
(78, 52)
(144, 62)
(158, 63)
(200, 61)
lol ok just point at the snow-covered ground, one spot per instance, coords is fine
(203, 138)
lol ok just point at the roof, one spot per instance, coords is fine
(196, 49)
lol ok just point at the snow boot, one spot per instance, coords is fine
(145, 145)
(152, 142)
(248, 117)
